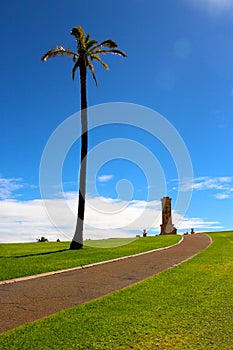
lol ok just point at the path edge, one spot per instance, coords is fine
(51, 273)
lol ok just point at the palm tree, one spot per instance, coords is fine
(87, 51)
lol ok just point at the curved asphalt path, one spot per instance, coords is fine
(30, 299)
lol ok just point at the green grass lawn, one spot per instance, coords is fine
(187, 307)
(25, 259)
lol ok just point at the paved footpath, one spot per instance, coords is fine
(32, 299)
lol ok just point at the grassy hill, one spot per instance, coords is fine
(187, 307)
(25, 259)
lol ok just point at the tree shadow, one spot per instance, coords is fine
(37, 254)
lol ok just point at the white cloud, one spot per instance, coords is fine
(197, 223)
(222, 184)
(9, 186)
(130, 216)
(105, 178)
(222, 196)
(24, 221)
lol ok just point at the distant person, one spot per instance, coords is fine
(144, 233)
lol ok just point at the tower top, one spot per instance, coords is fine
(166, 199)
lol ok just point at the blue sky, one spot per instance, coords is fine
(179, 64)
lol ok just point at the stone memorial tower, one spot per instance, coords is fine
(167, 227)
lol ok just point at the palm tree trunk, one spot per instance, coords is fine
(77, 242)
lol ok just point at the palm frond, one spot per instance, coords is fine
(109, 43)
(106, 43)
(90, 65)
(87, 38)
(87, 51)
(97, 58)
(76, 66)
(79, 34)
(58, 51)
(114, 51)
(90, 43)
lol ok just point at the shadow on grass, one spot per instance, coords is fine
(38, 254)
